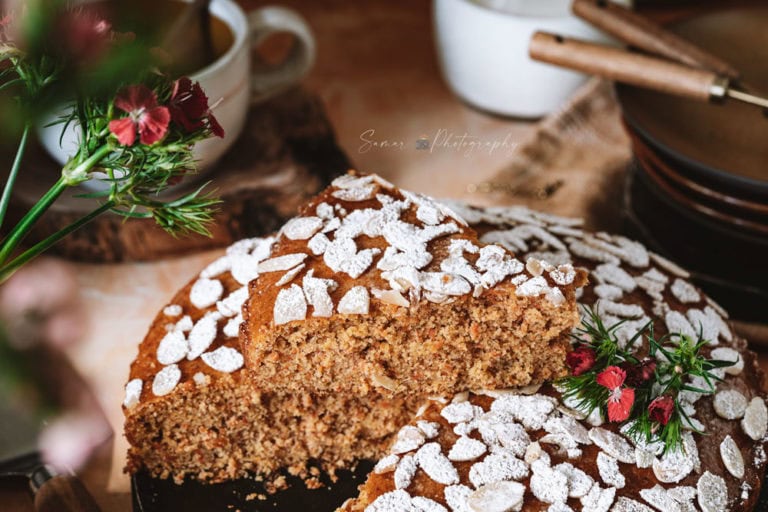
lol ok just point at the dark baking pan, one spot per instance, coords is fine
(725, 146)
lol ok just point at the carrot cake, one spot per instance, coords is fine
(372, 287)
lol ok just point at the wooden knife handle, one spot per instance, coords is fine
(623, 66)
(64, 493)
(642, 33)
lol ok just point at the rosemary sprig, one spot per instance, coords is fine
(603, 371)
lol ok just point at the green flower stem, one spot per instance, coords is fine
(8, 270)
(69, 178)
(6, 198)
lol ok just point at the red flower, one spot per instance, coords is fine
(641, 372)
(580, 360)
(189, 107)
(144, 115)
(660, 410)
(84, 33)
(620, 400)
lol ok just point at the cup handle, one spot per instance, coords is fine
(268, 80)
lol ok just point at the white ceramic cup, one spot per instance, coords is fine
(483, 51)
(230, 80)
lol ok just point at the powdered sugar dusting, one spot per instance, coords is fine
(223, 359)
(166, 379)
(290, 305)
(132, 393)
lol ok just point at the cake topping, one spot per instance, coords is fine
(624, 504)
(465, 449)
(288, 276)
(290, 305)
(284, 262)
(456, 497)
(302, 228)
(409, 438)
(755, 421)
(728, 354)
(732, 458)
(386, 464)
(355, 301)
(496, 467)
(202, 335)
(675, 465)
(405, 471)
(166, 379)
(610, 473)
(548, 485)
(461, 412)
(316, 292)
(612, 444)
(224, 359)
(430, 429)
(684, 291)
(730, 404)
(436, 465)
(132, 393)
(712, 493)
(497, 497)
(598, 499)
(579, 483)
(172, 310)
(205, 292)
(172, 348)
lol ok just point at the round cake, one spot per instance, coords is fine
(536, 449)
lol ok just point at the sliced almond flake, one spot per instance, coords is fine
(586, 251)
(624, 504)
(279, 263)
(232, 327)
(290, 305)
(534, 267)
(717, 319)
(456, 497)
(497, 497)
(430, 428)
(608, 292)
(355, 194)
(232, 304)
(331, 225)
(566, 425)
(223, 359)
(669, 266)
(461, 412)
(392, 501)
(132, 393)
(316, 292)
(386, 464)
(620, 310)
(436, 465)
(302, 228)
(610, 474)
(677, 324)
(172, 348)
(429, 214)
(318, 244)
(409, 438)
(465, 449)
(729, 404)
(355, 302)
(290, 275)
(383, 381)
(422, 504)
(563, 274)
(325, 211)
(532, 287)
(659, 497)
(172, 310)
(405, 471)
(445, 283)
(346, 181)
(729, 354)
(342, 255)
(684, 291)
(612, 274)
(675, 465)
(390, 297)
(704, 326)
(217, 267)
(205, 292)
(755, 421)
(202, 335)
(598, 499)
(166, 379)
(497, 467)
(712, 493)
(613, 444)
(732, 457)
(579, 483)
(245, 268)
(548, 485)
(184, 325)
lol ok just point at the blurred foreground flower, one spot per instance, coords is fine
(118, 95)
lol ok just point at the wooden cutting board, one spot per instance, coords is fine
(286, 154)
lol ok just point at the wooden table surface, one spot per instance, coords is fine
(377, 72)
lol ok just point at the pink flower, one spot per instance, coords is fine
(189, 107)
(660, 410)
(85, 35)
(144, 116)
(621, 399)
(580, 360)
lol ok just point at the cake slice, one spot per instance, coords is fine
(191, 412)
(372, 287)
(532, 450)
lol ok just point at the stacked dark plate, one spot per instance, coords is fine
(698, 186)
